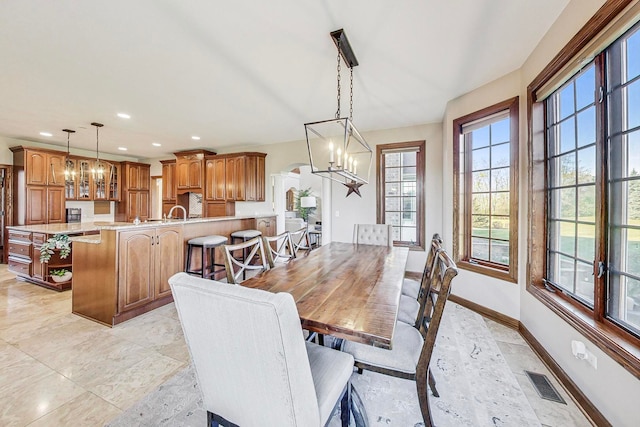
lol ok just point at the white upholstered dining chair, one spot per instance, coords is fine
(373, 234)
(251, 361)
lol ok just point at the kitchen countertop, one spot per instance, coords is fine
(84, 227)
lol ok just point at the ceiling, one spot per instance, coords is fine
(245, 72)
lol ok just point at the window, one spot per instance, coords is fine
(401, 191)
(584, 256)
(486, 205)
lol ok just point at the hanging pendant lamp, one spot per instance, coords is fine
(69, 167)
(98, 168)
(336, 149)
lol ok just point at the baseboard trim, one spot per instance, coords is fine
(583, 402)
(486, 312)
(589, 409)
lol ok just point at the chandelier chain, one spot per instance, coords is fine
(351, 97)
(338, 69)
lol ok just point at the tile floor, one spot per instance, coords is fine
(58, 369)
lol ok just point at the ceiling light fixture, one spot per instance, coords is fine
(156, 144)
(98, 167)
(69, 167)
(124, 116)
(46, 134)
(195, 138)
(336, 149)
(122, 148)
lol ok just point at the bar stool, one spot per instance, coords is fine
(243, 236)
(208, 245)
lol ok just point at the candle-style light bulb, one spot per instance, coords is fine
(355, 167)
(339, 157)
(350, 163)
(346, 160)
(330, 152)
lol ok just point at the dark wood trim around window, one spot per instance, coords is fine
(621, 347)
(462, 216)
(420, 187)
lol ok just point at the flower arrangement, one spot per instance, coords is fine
(60, 242)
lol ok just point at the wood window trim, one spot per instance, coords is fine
(462, 221)
(621, 347)
(420, 188)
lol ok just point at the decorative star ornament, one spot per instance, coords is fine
(354, 187)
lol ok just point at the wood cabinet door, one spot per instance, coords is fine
(182, 174)
(55, 205)
(133, 177)
(144, 177)
(113, 182)
(209, 179)
(250, 178)
(260, 179)
(55, 169)
(85, 180)
(195, 174)
(136, 268)
(143, 205)
(137, 205)
(169, 252)
(215, 188)
(230, 178)
(166, 207)
(36, 206)
(267, 226)
(71, 182)
(36, 167)
(240, 177)
(168, 182)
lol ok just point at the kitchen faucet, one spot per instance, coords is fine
(184, 211)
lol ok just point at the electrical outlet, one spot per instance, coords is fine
(337, 214)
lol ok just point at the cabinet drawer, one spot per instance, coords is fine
(21, 249)
(20, 266)
(19, 235)
(39, 238)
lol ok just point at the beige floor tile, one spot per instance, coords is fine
(86, 410)
(33, 323)
(503, 333)
(131, 384)
(39, 391)
(10, 354)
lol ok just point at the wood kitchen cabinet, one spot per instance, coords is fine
(169, 180)
(135, 192)
(245, 177)
(267, 225)
(215, 188)
(44, 167)
(190, 170)
(147, 258)
(44, 205)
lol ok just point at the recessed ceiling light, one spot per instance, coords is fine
(49, 134)
(156, 144)
(195, 138)
(122, 148)
(124, 116)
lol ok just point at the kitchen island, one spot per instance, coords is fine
(123, 271)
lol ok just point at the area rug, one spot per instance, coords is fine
(477, 388)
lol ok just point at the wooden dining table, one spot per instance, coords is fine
(350, 291)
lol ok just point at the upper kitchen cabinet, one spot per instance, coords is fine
(106, 183)
(245, 177)
(169, 185)
(190, 170)
(135, 192)
(42, 167)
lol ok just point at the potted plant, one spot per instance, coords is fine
(58, 242)
(61, 275)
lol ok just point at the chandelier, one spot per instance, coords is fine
(336, 149)
(69, 167)
(98, 167)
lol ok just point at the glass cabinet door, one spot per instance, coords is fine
(114, 190)
(100, 182)
(70, 179)
(84, 179)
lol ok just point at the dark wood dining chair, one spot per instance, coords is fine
(412, 287)
(251, 361)
(301, 241)
(236, 267)
(412, 347)
(279, 248)
(411, 306)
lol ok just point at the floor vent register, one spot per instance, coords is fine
(545, 389)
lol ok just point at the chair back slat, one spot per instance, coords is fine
(279, 248)
(235, 267)
(300, 239)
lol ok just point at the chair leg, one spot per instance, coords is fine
(432, 384)
(358, 410)
(345, 406)
(423, 398)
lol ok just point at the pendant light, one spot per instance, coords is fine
(98, 168)
(336, 149)
(69, 167)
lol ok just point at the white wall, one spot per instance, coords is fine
(611, 388)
